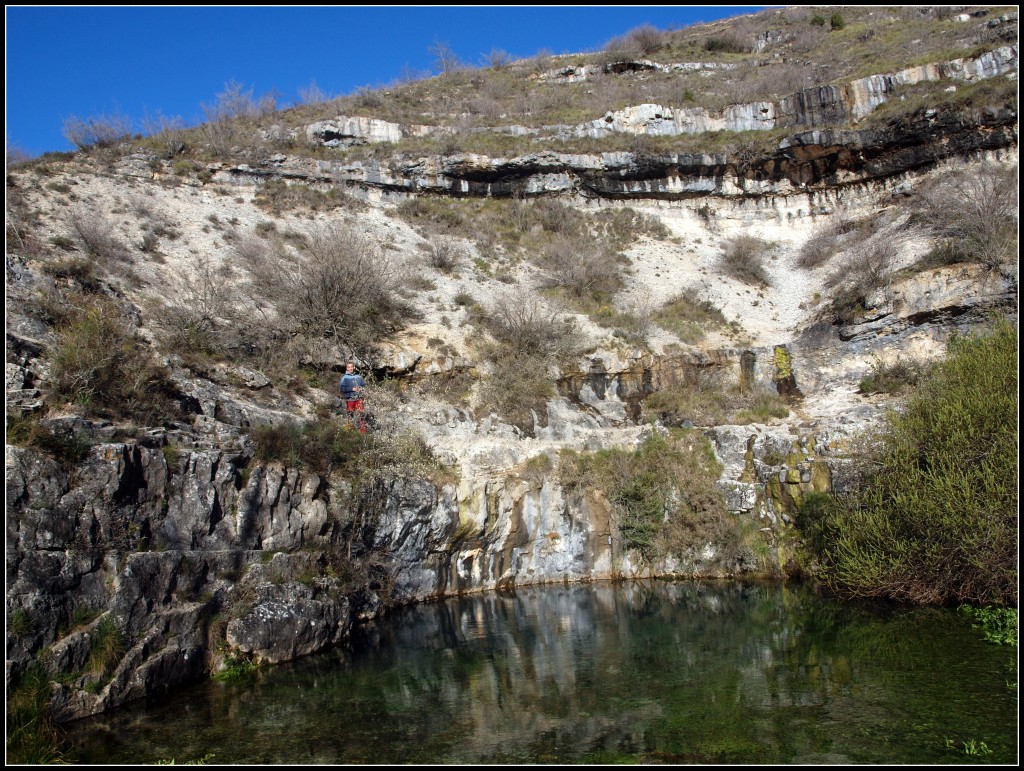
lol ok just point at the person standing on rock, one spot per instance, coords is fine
(351, 386)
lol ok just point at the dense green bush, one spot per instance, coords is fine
(893, 377)
(703, 398)
(687, 316)
(937, 522)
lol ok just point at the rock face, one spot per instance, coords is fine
(159, 560)
(814, 160)
(161, 555)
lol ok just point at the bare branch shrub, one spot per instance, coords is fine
(743, 259)
(870, 269)
(827, 242)
(312, 94)
(444, 254)
(581, 267)
(227, 116)
(168, 133)
(96, 235)
(527, 325)
(640, 41)
(96, 130)
(498, 59)
(203, 318)
(975, 215)
(339, 286)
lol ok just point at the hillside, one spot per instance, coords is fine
(676, 260)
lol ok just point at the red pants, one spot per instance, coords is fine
(356, 406)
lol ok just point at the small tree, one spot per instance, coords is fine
(445, 59)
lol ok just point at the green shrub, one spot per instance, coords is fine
(703, 399)
(837, 21)
(28, 431)
(106, 647)
(664, 494)
(937, 522)
(687, 316)
(20, 624)
(998, 625)
(99, 363)
(324, 445)
(80, 270)
(728, 42)
(32, 736)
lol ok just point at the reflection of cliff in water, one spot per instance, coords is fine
(637, 672)
(587, 665)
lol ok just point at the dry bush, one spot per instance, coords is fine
(445, 254)
(517, 389)
(826, 243)
(743, 259)
(97, 238)
(808, 39)
(96, 130)
(974, 214)
(871, 268)
(340, 285)
(580, 266)
(733, 41)
(229, 120)
(527, 325)
(640, 41)
(167, 133)
(498, 59)
(203, 319)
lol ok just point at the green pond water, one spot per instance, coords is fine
(636, 672)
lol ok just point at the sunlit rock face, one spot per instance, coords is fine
(180, 554)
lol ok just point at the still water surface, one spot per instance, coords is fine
(642, 672)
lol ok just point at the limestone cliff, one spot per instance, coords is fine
(147, 549)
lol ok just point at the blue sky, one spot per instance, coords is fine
(99, 60)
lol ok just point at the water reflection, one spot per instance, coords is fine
(636, 672)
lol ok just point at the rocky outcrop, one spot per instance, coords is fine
(808, 108)
(803, 162)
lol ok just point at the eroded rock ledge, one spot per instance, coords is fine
(804, 162)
